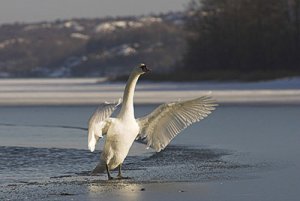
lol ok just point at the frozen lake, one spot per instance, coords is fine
(244, 152)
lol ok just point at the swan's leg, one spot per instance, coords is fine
(120, 174)
(108, 174)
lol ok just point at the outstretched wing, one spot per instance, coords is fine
(99, 123)
(166, 121)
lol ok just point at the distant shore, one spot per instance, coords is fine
(93, 91)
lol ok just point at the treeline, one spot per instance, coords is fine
(160, 45)
(213, 39)
(91, 47)
(243, 39)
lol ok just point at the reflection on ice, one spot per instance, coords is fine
(116, 186)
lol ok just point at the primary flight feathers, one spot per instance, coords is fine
(165, 122)
(99, 122)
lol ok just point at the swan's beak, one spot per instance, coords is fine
(145, 69)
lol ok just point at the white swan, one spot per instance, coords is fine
(157, 129)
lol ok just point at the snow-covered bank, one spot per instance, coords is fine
(94, 91)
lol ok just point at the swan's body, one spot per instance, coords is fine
(119, 139)
(157, 129)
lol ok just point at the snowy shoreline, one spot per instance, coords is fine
(92, 91)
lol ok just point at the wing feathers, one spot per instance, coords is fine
(166, 121)
(99, 123)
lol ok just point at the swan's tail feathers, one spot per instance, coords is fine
(100, 168)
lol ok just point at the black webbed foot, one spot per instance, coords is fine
(120, 177)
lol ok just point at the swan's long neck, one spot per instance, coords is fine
(127, 110)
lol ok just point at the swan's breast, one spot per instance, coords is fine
(121, 129)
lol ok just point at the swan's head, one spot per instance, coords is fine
(141, 69)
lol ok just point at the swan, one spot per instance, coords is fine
(156, 129)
